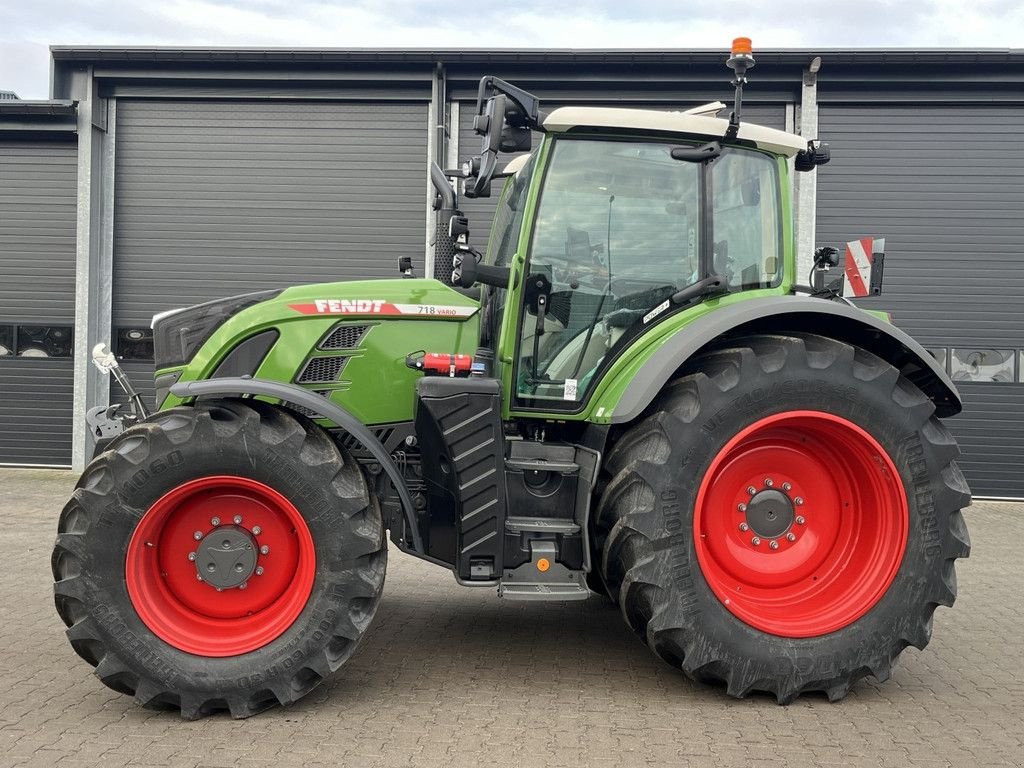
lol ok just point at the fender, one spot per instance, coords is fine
(791, 314)
(319, 405)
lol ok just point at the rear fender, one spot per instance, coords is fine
(790, 315)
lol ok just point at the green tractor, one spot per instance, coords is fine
(627, 394)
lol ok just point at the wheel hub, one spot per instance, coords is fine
(226, 557)
(770, 513)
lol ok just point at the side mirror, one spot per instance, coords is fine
(467, 271)
(817, 153)
(516, 139)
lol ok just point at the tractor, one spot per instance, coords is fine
(627, 393)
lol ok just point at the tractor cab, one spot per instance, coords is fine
(619, 221)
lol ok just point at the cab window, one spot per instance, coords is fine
(617, 232)
(746, 222)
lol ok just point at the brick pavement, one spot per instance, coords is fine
(449, 676)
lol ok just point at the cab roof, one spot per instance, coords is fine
(695, 122)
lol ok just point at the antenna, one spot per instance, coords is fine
(739, 62)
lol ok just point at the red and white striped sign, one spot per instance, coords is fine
(380, 307)
(858, 264)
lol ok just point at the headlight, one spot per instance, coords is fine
(177, 335)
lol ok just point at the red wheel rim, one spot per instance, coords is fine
(172, 544)
(801, 524)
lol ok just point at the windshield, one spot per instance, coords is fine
(617, 233)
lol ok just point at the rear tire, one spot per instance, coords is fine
(836, 597)
(298, 524)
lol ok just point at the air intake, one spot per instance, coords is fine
(322, 369)
(308, 412)
(344, 337)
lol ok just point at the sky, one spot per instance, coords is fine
(29, 27)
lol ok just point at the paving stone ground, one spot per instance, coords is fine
(449, 676)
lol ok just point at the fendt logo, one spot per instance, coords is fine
(344, 306)
(381, 307)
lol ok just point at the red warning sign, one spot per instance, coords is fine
(858, 265)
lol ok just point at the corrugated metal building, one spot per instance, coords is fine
(160, 177)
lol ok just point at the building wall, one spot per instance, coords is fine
(234, 171)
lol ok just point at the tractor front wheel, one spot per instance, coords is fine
(785, 519)
(221, 557)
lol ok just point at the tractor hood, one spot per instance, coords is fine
(347, 340)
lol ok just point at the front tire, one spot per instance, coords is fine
(786, 518)
(224, 557)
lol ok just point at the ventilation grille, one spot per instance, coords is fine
(322, 369)
(308, 413)
(352, 443)
(345, 337)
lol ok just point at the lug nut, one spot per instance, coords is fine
(773, 544)
(264, 550)
(800, 520)
(191, 557)
(790, 536)
(197, 535)
(787, 487)
(198, 577)
(219, 589)
(256, 530)
(756, 541)
(798, 500)
(237, 520)
(214, 521)
(744, 527)
(751, 490)
(259, 570)
(741, 507)
(768, 482)
(243, 585)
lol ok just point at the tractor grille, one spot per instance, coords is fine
(344, 337)
(322, 369)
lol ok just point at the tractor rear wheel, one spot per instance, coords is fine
(226, 557)
(785, 519)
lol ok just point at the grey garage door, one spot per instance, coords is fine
(214, 198)
(945, 187)
(37, 300)
(481, 211)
